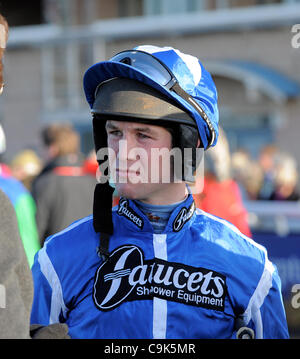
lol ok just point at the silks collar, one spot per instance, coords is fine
(135, 220)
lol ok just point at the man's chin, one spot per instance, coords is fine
(128, 190)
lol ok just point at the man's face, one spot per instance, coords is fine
(139, 172)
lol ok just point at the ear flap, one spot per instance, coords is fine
(103, 195)
(99, 131)
(186, 137)
(102, 208)
(102, 217)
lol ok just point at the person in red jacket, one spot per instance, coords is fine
(221, 194)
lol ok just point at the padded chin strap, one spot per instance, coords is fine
(186, 137)
(102, 217)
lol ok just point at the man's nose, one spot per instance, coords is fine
(128, 148)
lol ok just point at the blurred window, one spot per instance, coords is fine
(130, 8)
(159, 7)
(62, 69)
(248, 131)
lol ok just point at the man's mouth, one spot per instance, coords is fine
(127, 173)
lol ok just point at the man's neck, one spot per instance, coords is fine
(176, 192)
(158, 215)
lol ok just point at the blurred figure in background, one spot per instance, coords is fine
(23, 203)
(4, 169)
(247, 173)
(285, 178)
(273, 177)
(90, 165)
(266, 161)
(221, 195)
(16, 278)
(63, 191)
(25, 166)
(15, 272)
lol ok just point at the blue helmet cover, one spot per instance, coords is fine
(189, 72)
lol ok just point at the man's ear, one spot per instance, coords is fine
(198, 142)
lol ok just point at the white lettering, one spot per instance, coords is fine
(176, 278)
(166, 279)
(107, 165)
(219, 293)
(141, 279)
(166, 165)
(163, 279)
(123, 210)
(296, 38)
(121, 349)
(296, 298)
(183, 216)
(2, 296)
(193, 279)
(206, 283)
(151, 273)
(3, 37)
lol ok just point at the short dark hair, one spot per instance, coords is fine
(63, 136)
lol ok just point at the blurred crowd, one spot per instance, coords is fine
(52, 192)
(273, 176)
(230, 179)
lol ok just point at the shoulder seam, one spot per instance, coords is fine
(70, 227)
(233, 228)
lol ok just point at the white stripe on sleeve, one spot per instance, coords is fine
(257, 299)
(57, 302)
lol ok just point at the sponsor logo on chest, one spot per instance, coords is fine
(126, 276)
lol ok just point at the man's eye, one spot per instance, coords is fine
(115, 133)
(142, 135)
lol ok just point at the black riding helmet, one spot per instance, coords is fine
(122, 99)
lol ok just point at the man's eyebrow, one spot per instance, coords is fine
(111, 126)
(143, 129)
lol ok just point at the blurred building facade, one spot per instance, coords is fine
(245, 44)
